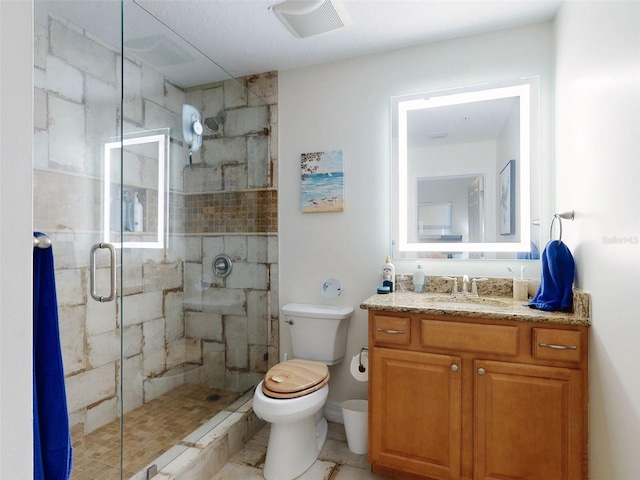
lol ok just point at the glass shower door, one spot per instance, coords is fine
(76, 98)
(179, 347)
(195, 343)
(169, 386)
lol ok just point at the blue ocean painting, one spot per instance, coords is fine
(322, 181)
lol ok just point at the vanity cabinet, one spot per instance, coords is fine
(470, 398)
(417, 417)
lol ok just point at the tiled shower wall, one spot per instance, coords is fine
(178, 322)
(230, 206)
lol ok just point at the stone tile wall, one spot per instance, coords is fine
(230, 207)
(175, 321)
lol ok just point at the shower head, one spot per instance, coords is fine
(213, 123)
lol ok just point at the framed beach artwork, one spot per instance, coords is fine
(322, 181)
(508, 199)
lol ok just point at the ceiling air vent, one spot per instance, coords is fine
(306, 18)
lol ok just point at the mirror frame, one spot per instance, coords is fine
(528, 91)
(112, 153)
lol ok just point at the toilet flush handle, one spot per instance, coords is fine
(290, 322)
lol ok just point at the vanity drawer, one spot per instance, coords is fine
(388, 329)
(497, 339)
(554, 344)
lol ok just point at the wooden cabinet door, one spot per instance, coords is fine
(415, 412)
(528, 422)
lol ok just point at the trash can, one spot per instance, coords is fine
(354, 413)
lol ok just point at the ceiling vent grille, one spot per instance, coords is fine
(306, 18)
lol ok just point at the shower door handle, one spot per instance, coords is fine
(92, 273)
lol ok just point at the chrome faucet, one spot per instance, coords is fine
(474, 286)
(465, 285)
(466, 292)
(454, 289)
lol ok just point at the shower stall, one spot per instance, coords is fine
(185, 339)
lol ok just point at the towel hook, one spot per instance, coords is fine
(567, 216)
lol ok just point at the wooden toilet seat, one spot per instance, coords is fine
(295, 378)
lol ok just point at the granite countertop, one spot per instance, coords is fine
(490, 307)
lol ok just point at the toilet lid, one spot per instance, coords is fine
(295, 378)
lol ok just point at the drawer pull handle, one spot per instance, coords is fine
(454, 368)
(392, 332)
(481, 371)
(559, 347)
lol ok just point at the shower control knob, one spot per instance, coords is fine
(197, 128)
(222, 266)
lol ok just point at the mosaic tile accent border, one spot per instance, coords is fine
(231, 212)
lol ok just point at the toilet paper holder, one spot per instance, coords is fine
(361, 368)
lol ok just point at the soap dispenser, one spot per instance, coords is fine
(389, 275)
(419, 282)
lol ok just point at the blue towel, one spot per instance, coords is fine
(556, 285)
(533, 254)
(52, 459)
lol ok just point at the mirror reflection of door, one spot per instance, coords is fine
(434, 221)
(450, 209)
(476, 210)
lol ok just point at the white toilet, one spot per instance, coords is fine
(293, 393)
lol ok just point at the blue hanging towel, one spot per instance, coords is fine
(532, 254)
(53, 455)
(556, 285)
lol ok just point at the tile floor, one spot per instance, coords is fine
(336, 461)
(149, 430)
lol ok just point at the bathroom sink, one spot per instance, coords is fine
(475, 301)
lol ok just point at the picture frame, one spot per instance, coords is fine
(508, 199)
(322, 181)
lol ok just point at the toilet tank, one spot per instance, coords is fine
(318, 332)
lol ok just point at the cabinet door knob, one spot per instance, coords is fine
(481, 371)
(454, 368)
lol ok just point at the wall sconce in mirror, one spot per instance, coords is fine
(134, 190)
(451, 150)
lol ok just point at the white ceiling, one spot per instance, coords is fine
(480, 121)
(245, 37)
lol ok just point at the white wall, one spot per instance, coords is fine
(16, 139)
(598, 175)
(346, 105)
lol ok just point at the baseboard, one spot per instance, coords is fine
(333, 412)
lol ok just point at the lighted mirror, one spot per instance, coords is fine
(134, 197)
(462, 161)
